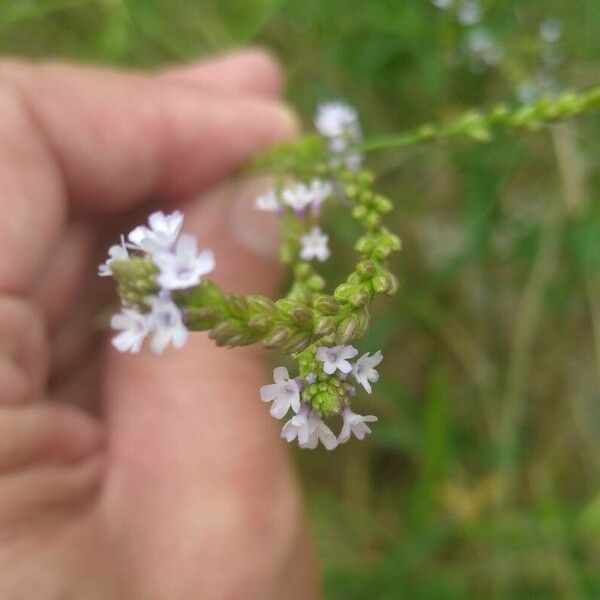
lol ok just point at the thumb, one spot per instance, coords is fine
(188, 433)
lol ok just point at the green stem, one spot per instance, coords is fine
(482, 126)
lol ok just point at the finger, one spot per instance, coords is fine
(64, 279)
(24, 494)
(44, 433)
(23, 352)
(120, 138)
(251, 71)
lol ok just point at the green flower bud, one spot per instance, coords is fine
(360, 211)
(366, 269)
(315, 283)
(261, 304)
(324, 326)
(221, 332)
(383, 204)
(238, 305)
(297, 343)
(343, 292)
(364, 245)
(303, 270)
(372, 220)
(260, 323)
(347, 330)
(326, 305)
(361, 297)
(300, 315)
(277, 338)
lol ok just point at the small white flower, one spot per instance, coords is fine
(336, 358)
(309, 428)
(162, 233)
(482, 46)
(297, 426)
(166, 324)
(320, 190)
(297, 197)
(551, 30)
(364, 369)
(133, 326)
(184, 267)
(314, 245)
(469, 12)
(284, 393)
(116, 252)
(268, 202)
(337, 120)
(442, 4)
(354, 424)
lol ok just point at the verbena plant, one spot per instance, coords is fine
(162, 283)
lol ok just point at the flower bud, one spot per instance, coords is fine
(343, 292)
(261, 304)
(300, 315)
(366, 269)
(347, 330)
(297, 343)
(221, 332)
(277, 338)
(324, 326)
(260, 323)
(383, 204)
(237, 304)
(361, 297)
(372, 220)
(326, 305)
(364, 245)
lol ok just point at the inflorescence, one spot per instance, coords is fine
(160, 275)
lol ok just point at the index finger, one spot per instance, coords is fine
(106, 141)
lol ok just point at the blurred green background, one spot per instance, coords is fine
(481, 479)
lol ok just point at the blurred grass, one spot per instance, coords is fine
(482, 477)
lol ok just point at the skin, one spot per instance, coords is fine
(135, 476)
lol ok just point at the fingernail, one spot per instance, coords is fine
(256, 230)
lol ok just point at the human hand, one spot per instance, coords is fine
(133, 476)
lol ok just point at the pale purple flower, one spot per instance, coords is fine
(268, 202)
(310, 378)
(298, 197)
(161, 235)
(284, 393)
(336, 358)
(364, 369)
(134, 327)
(314, 245)
(183, 268)
(308, 427)
(320, 190)
(354, 424)
(469, 12)
(482, 47)
(166, 324)
(551, 30)
(336, 120)
(116, 252)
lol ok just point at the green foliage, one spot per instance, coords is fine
(496, 325)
